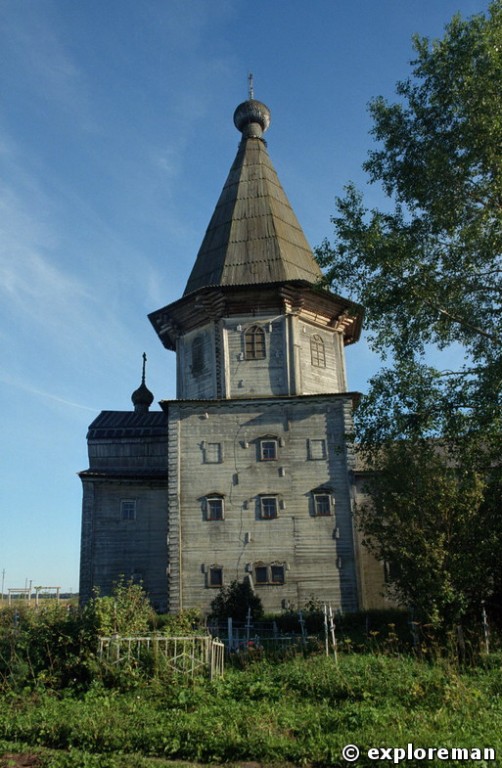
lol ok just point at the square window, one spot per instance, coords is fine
(214, 508)
(212, 453)
(216, 576)
(322, 504)
(277, 574)
(261, 574)
(128, 509)
(268, 507)
(316, 449)
(268, 450)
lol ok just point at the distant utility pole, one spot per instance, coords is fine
(3, 581)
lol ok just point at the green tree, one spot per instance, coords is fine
(235, 601)
(428, 271)
(428, 522)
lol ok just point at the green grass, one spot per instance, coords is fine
(301, 711)
(74, 758)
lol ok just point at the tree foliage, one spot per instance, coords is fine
(235, 600)
(437, 530)
(428, 271)
(127, 611)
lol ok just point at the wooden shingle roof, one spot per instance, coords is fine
(253, 236)
(123, 424)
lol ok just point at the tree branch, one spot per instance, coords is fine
(461, 321)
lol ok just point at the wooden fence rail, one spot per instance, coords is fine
(187, 655)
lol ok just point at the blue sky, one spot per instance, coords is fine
(116, 137)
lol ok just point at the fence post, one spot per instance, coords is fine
(230, 634)
(302, 626)
(333, 636)
(248, 624)
(486, 628)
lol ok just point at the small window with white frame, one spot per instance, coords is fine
(268, 449)
(322, 503)
(128, 509)
(268, 507)
(215, 508)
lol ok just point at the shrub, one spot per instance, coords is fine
(235, 601)
(128, 611)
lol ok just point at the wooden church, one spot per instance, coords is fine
(248, 474)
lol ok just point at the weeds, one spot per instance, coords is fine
(301, 711)
(297, 706)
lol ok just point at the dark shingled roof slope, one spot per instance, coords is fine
(114, 424)
(253, 236)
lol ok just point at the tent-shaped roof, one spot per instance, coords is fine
(253, 236)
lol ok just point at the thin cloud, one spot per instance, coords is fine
(29, 280)
(63, 321)
(168, 160)
(28, 388)
(36, 47)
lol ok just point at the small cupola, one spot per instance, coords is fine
(252, 117)
(142, 398)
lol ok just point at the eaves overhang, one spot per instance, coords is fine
(157, 476)
(286, 297)
(209, 405)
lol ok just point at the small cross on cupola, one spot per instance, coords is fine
(142, 398)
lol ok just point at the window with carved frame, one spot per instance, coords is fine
(269, 574)
(254, 343)
(317, 351)
(260, 573)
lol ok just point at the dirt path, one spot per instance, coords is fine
(25, 760)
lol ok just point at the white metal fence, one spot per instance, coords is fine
(192, 655)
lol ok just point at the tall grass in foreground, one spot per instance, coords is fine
(302, 711)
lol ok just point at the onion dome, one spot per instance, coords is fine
(142, 398)
(252, 118)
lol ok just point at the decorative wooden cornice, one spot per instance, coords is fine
(315, 305)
